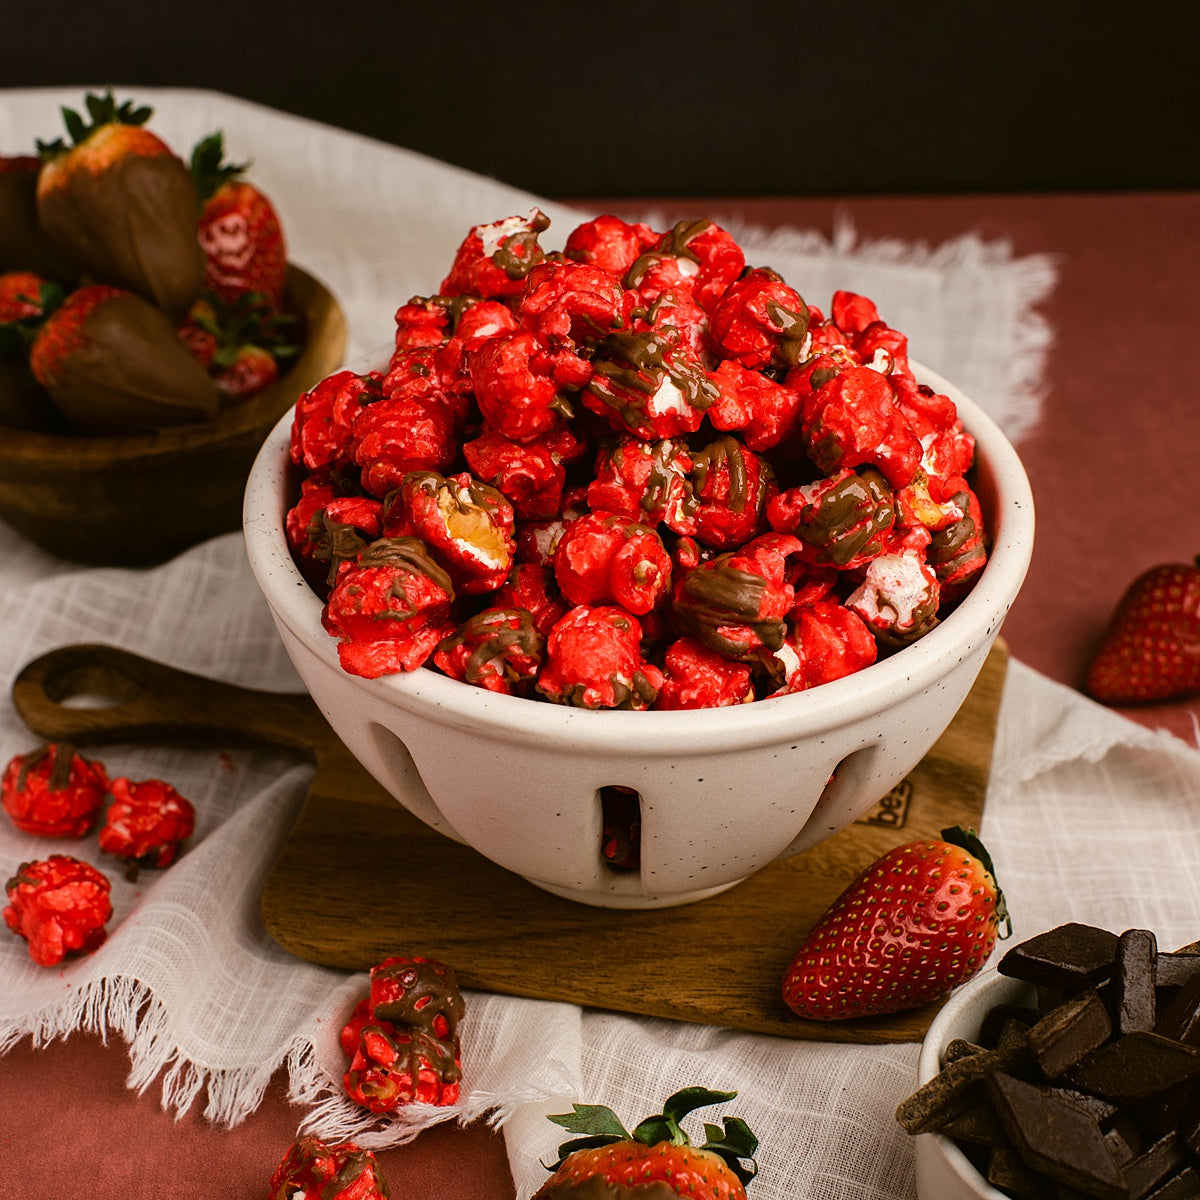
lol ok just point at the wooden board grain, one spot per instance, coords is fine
(359, 879)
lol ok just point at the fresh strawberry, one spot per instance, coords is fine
(26, 298)
(915, 924)
(657, 1157)
(241, 343)
(113, 362)
(121, 205)
(1151, 649)
(239, 231)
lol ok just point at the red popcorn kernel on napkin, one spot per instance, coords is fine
(311, 1169)
(146, 823)
(614, 429)
(53, 791)
(402, 1039)
(60, 906)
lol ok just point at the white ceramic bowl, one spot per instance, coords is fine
(943, 1171)
(723, 791)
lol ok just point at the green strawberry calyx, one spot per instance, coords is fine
(103, 110)
(599, 1126)
(209, 168)
(250, 320)
(968, 840)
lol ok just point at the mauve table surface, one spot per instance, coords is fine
(1113, 465)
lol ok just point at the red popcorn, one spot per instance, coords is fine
(146, 823)
(548, 419)
(843, 519)
(731, 487)
(736, 603)
(898, 598)
(829, 641)
(572, 303)
(494, 259)
(515, 387)
(606, 558)
(594, 660)
(609, 243)
(532, 586)
(694, 260)
(760, 322)
(695, 676)
(649, 383)
(390, 609)
(53, 791)
(312, 1169)
(853, 420)
(499, 649)
(396, 436)
(466, 525)
(325, 529)
(766, 414)
(531, 474)
(319, 436)
(644, 480)
(403, 1038)
(60, 906)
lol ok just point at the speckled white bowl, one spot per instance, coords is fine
(943, 1171)
(723, 792)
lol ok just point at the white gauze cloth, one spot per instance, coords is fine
(1087, 814)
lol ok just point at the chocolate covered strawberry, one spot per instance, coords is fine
(239, 229)
(914, 925)
(1151, 648)
(121, 205)
(657, 1159)
(113, 362)
(23, 245)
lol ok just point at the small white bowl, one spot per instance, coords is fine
(723, 791)
(943, 1171)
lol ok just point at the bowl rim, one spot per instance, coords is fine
(64, 451)
(917, 666)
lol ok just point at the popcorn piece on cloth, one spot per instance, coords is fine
(60, 905)
(53, 791)
(403, 1037)
(311, 1169)
(390, 609)
(594, 660)
(146, 823)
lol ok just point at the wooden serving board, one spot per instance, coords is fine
(359, 879)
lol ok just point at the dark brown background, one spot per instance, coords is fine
(785, 97)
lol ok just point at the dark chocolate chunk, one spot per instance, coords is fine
(1006, 1171)
(1118, 1147)
(1094, 1106)
(1185, 1185)
(1070, 1032)
(998, 1018)
(978, 1125)
(1013, 1036)
(1135, 1068)
(1180, 1019)
(957, 1048)
(1150, 1168)
(1072, 957)
(1134, 974)
(1174, 970)
(954, 1090)
(1056, 1138)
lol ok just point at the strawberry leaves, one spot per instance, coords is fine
(103, 110)
(209, 168)
(598, 1125)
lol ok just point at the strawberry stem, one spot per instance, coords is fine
(968, 840)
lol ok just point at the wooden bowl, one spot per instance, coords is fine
(133, 500)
